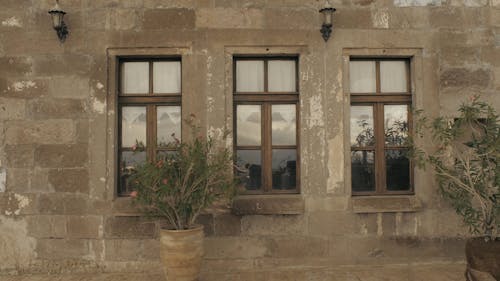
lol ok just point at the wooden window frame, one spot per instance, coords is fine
(149, 100)
(266, 99)
(378, 99)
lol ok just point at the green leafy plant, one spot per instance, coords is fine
(183, 183)
(465, 163)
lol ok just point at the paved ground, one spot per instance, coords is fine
(421, 272)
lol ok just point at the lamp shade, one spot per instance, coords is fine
(57, 15)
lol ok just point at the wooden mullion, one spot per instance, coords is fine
(377, 75)
(151, 132)
(266, 76)
(248, 147)
(379, 148)
(266, 147)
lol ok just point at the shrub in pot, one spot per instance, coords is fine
(177, 188)
(466, 165)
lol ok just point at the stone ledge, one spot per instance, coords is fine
(385, 204)
(278, 204)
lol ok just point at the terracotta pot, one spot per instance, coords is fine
(482, 258)
(181, 253)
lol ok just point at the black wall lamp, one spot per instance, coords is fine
(326, 27)
(58, 22)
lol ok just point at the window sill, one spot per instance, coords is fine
(386, 204)
(268, 205)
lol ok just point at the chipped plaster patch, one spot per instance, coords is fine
(12, 22)
(417, 3)
(15, 207)
(315, 112)
(20, 86)
(97, 105)
(210, 104)
(335, 163)
(99, 86)
(3, 178)
(381, 19)
(17, 249)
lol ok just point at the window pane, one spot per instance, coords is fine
(284, 168)
(362, 126)
(362, 76)
(398, 170)
(282, 76)
(248, 122)
(168, 122)
(393, 76)
(135, 78)
(250, 76)
(396, 124)
(362, 171)
(133, 126)
(249, 168)
(283, 124)
(129, 160)
(167, 77)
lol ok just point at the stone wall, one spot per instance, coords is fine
(59, 212)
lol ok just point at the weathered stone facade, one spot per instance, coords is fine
(59, 212)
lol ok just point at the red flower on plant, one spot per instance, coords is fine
(159, 164)
(164, 181)
(134, 147)
(133, 194)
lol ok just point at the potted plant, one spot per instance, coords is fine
(466, 166)
(177, 188)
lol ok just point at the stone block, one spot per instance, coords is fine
(61, 156)
(230, 18)
(46, 226)
(297, 247)
(385, 204)
(57, 109)
(169, 19)
(458, 56)
(23, 88)
(129, 227)
(291, 19)
(122, 249)
(19, 156)
(333, 203)
(353, 18)
(15, 66)
(463, 77)
(40, 181)
(18, 180)
(57, 64)
(235, 247)
(12, 109)
(59, 204)
(414, 18)
(18, 204)
(163, 4)
(273, 225)
(52, 249)
(367, 224)
(40, 132)
(88, 227)
(125, 19)
(227, 225)
(491, 56)
(69, 180)
(207, 220)
(388, 224)
(268, 205)
(151, 249)
(406, 224)
(332, 223)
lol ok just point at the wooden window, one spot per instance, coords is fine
(149, 112)
(266, 142)
(380, 123)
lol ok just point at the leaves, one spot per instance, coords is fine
(466, 163)
(182, 184)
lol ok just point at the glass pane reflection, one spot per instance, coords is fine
(362, 171)
(396, 124)
(284, 167)
(250, 76)
(168, 121)
(398, 170)
(128, 161)
(249, 168)
(248, 122)
(133, 126)
(283, 124)
(362, 126)
(167, 77)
